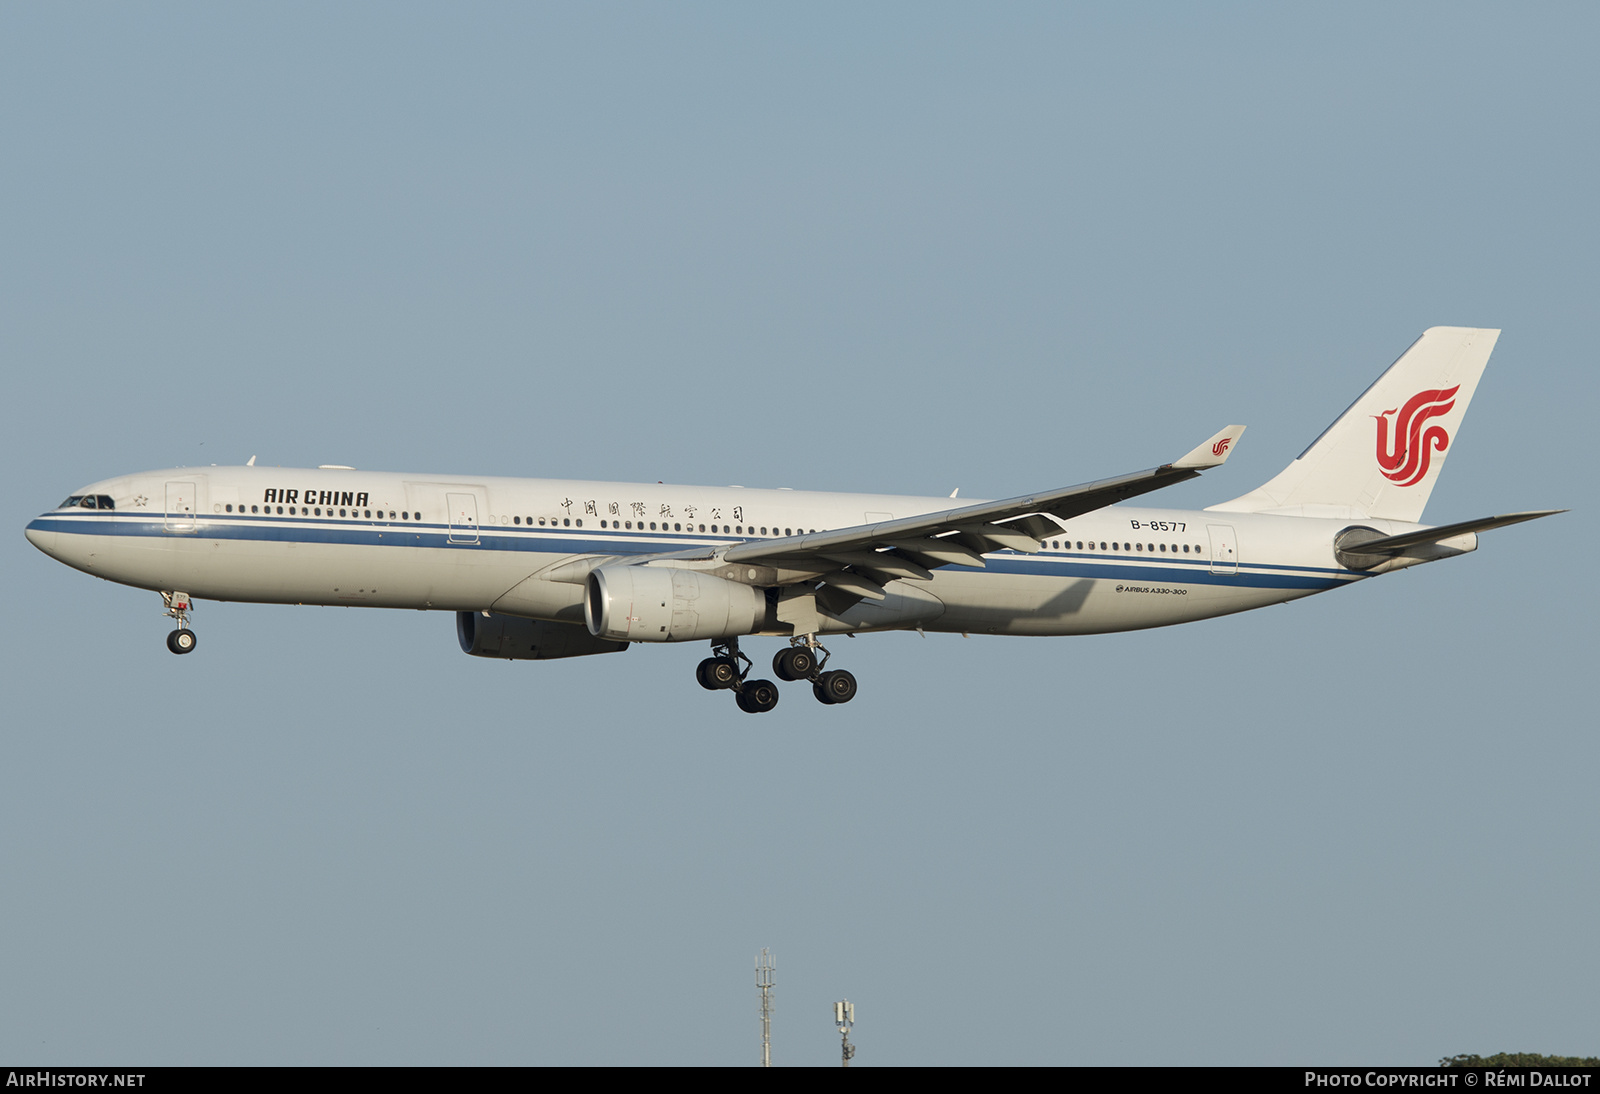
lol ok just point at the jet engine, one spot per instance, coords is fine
(660, 604)
(514, 639)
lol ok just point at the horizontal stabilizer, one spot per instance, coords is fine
(1367, 549)
(1394, 545)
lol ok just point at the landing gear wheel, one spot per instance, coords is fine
(794, 663)
(757, 696)
(181, 641)
(833, 687)
(717, 673)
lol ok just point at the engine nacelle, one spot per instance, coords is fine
(515, 639)
(660, 604)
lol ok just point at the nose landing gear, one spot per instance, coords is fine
(181, 640)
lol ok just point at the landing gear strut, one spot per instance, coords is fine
(181, 640)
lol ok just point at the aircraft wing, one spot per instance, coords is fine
(912, 546)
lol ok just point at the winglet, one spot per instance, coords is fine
(1213, 451)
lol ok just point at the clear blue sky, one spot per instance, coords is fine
(900, 248)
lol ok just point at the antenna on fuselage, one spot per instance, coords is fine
(251, 462)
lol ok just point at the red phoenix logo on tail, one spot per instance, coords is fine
(1406, 463)
(1221, 446)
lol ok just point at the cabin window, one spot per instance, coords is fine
(580, 522)
(567, 523)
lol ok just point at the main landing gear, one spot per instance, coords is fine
(178, 605)
(723, 671)
(728, 669)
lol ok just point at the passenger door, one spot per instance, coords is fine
(1224, 549)
(463, 517)
(180, 507)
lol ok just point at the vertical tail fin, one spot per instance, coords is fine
(1381, 457)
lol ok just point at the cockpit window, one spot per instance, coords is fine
(103, 501)
(88, 501)
(72, 502)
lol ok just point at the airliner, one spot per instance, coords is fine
(536, 569)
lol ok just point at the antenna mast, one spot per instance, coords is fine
(844, 1016)
(765, 967)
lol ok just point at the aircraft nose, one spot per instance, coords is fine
(45, 541)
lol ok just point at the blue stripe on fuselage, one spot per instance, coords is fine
(568, 541)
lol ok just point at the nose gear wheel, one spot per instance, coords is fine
(181, 640)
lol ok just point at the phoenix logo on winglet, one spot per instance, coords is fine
(1406, 462)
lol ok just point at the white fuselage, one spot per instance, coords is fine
(466, 543)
